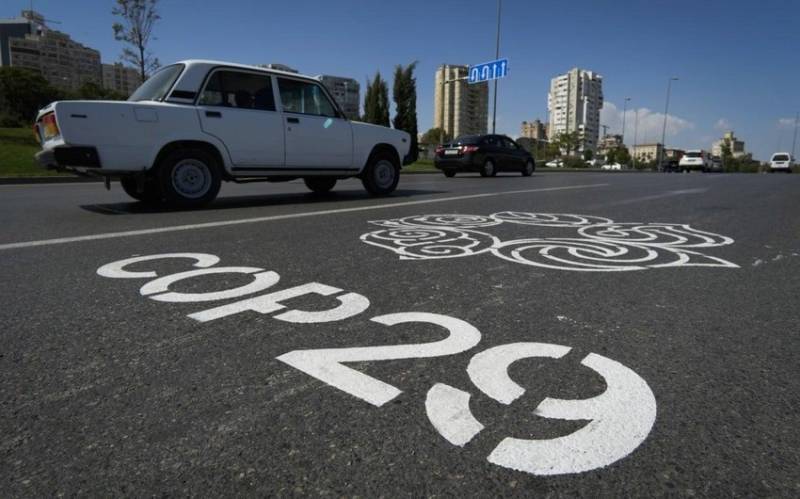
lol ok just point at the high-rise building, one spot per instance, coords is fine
(121, 78)
(736, 145)
(460, 108)
(346, 91)
(534, 130)
(62, 61)
(574, 104)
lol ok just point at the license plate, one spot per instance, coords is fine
(450, 152)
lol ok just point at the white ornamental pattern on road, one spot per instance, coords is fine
(595, 244)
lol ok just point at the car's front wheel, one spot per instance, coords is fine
(320, 185)
(488, 169)
(149, 192)
(381, 175)
(529, 167)
(189, 177)
(449, 173)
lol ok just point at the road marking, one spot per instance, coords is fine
(225, 223)
(668, 194)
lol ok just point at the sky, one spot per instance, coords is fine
(736, 61)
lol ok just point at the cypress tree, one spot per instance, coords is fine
(376, 102)
(405, 99)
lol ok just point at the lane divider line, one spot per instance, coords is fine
(225, 223)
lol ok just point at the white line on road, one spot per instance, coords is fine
(224, 223)
(657, 196)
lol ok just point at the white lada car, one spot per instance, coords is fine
(196, 123)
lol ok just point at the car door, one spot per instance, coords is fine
(238, 108)
(318, 137)
(509, 161)
(517, 154)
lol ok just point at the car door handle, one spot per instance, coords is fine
(293, 120)
(213, 114)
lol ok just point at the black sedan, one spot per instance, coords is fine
(486, 154)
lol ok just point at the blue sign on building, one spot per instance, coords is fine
(488, 71)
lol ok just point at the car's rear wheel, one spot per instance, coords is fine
(488, 169)
(528, 170)
(320, 185)
(381, 174)
(149, 192)
(189, 177)
(449, 173)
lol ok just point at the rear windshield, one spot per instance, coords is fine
(157, 86)
(694, 155)
(780, 157)
(467, 140)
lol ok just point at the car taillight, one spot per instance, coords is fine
(50, 126)
(466, 149)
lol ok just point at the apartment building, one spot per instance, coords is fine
(62, 61)
(574, 104)
(121, 78)
(736, 145)
(609, 143)
(534, 130)
(647, 152)
(346, 91)
(460, 108)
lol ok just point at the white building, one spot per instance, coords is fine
(574, 104)
(460, 108)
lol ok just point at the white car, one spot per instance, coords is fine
(196, 123)
(781, 162)
(612, 166)
(695, 160)
(554, 163)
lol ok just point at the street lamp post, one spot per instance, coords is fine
(496, 56)
(624, 111)
(664, 127)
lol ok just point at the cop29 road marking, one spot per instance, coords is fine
(225, 223)
(618, 420)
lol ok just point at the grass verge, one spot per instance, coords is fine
(17, 147)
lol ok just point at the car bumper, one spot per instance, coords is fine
(467, 163)
(69, 157)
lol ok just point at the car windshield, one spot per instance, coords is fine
(694, 155)
(157, 86)
(780, 157)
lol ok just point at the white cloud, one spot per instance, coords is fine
(722, 125)
(650, 123)
(786, 123)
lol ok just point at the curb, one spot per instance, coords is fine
(55, 179)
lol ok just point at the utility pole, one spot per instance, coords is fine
(496, 56)
(794, 140)
(624, 110)
(635, 136)
(664, 128)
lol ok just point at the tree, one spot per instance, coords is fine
(92, 91)
(435, 136)
(588, 155)
(727, 157)
(622, 155)
(405, 99)
(22, 93)
(376, 102)
(568, 142)
(611, 156)
(136, 29)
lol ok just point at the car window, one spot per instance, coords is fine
(240, 90)
(509, 144)
(491, 140)
(304, 97)
(157, 86)
(780, 157)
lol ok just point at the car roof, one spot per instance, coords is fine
(212, 63)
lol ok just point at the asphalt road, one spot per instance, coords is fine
(646, 359)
